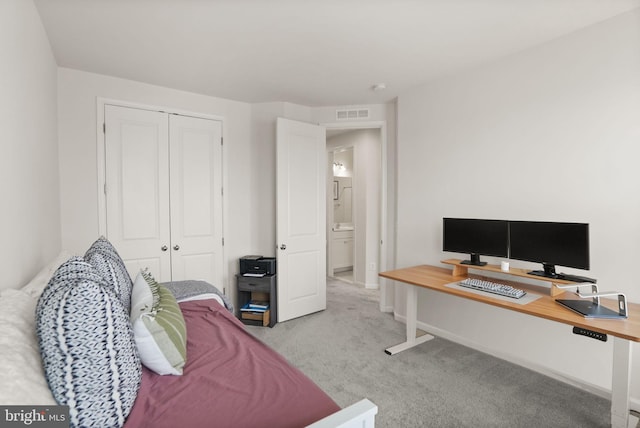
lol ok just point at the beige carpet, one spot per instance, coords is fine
(437, 384)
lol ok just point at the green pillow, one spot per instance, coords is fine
(159, 329)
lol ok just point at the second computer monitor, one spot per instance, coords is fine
(475, 237)
(550, 243)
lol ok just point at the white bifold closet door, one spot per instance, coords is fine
(164, 193)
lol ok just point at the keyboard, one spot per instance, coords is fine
(493, 287)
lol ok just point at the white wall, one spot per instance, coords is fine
(30, 214)
(249, 151)
(78, 92)
(552, 133)
(262, 159)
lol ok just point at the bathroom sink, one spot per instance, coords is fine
(338, 227)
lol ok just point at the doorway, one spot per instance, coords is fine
(341, 238)
(355, 214)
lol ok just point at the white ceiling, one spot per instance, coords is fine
(309, 52)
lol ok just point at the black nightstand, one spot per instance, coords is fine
(258, 289)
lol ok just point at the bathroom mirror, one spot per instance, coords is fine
(343, 186)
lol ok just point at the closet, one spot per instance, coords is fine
(163, 193)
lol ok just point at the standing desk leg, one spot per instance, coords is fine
(412, 319)
(620, 385)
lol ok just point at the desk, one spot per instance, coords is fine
(623, 331)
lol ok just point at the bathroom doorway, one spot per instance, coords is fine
(341, 240)
(354, 204)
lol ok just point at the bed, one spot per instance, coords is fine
(228, 377)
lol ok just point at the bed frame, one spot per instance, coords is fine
(359, 415)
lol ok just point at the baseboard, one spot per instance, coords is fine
(634, 403)
(386, 309)
(368, 286)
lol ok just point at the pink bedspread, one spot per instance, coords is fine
(231, 379)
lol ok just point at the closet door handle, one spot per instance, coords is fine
(164, 248)
(176, 247)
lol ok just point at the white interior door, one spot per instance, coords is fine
(137, 200)
(301, 214)
(196, 199)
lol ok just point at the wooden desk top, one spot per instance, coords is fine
(436, 278)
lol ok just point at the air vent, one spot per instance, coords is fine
(352, 114)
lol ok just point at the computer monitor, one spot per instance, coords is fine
(475, 237)
(550, 243)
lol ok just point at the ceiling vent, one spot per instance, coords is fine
(352, 114)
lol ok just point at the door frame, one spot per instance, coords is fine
(381, 125)
(101, 102)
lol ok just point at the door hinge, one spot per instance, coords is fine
(221, 141)
(223, 242)
(104, 128)
(105, 188)
(222, 191)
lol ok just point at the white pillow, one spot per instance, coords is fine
(159, 329)
(22, 376)
(35, 287)
(141, 297)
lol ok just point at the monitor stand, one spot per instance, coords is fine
(475, 261)
(550, 272)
